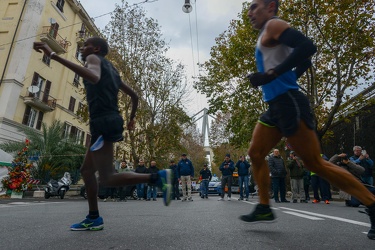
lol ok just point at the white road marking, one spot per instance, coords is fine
(24, 204)
(329, 217)
(303, 216)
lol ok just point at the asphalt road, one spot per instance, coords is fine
(32, 223)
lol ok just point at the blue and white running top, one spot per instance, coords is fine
(268, 58)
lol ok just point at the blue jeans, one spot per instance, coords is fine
(204, 187)
(244, 180)
(152, 189)
(368, 180)
(140, 190)
(355, 203)
(278, 184)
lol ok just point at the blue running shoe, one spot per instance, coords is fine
(165, 184)
(88, 224)
(98, 144)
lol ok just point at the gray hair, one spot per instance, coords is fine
(357, 148)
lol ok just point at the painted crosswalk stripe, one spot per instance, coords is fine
(329, 217)
(303, 215)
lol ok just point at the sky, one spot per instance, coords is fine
(190, 36)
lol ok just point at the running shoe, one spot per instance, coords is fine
(165, 184)
(88, 224)
(326, 202)
(261, 214)
(98, 144)
(316, 201)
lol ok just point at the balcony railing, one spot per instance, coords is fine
(40, 100)
(54, 40)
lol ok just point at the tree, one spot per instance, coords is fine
(344, 34)
(52, 153)
(139, 55)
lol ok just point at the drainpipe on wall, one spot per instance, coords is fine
(11, 45)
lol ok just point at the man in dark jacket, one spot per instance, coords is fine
(226, 168)
(141, 169)
(278, 174)
(243, 176)
(297, 172)
(152, 187)
(175, 182)
(206, 178)
(185, 171)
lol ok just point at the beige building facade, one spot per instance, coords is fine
(33, 89)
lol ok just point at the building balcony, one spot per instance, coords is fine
(41, 101)
(54, 40)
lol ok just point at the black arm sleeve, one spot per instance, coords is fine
(303, 49)
(302, 67)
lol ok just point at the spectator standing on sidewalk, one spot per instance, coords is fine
(278, 175)
(141, 169)
(122, 190)
(243, 167)
(151, 188)
(297, 172)
(227, 169)
(185, 172)
(175, 182)
(362, 158)
(206, 178)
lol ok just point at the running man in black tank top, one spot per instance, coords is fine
(102, 83)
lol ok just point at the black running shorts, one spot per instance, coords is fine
(109, 126)
(286, 111)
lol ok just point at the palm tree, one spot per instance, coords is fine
(52, 153)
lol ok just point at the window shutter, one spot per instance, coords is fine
(40, 120)
(26, 115)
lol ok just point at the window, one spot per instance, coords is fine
(78, 54)
(31, 115)
(53, 30)
(46, 59)
(38, 81)
(78, 136)
(76, 80)
(67, 128)
(72, 103)
(60, 5)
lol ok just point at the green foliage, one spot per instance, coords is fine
(52, 153)
(344, 34)
(138, 51)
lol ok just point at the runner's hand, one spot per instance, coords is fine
(42, 47)
(259, 79)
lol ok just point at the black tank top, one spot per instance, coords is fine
(102, 96)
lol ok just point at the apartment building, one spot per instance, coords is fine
(34, 89)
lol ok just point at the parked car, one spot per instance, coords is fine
(214, 186)
(130, 191)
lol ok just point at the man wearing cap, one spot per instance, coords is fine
(227, 169)
(206, 178)
(185, 171)
(297, 172)
(175, 182)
